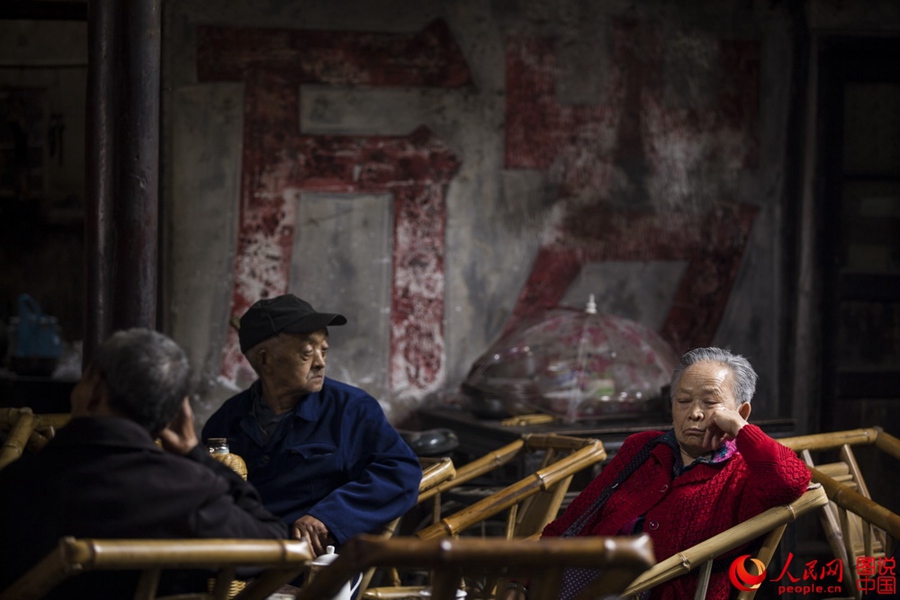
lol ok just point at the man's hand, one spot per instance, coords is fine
(179, 436)
(314, 532)
(725, 424)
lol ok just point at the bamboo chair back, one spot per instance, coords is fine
(24, 429)
(483, 567)
(531, 502)
(769, 525)
(853, 523)
(434, 472)
(281, 561)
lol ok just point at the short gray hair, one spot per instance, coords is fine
(146, 374)
(744, 375)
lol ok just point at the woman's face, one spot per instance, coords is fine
(703, 388)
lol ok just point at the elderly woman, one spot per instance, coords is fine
(709, 472)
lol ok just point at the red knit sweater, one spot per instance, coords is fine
(705, 500)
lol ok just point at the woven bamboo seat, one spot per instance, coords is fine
(853, 523)
(769, 526)
(281, 561)
(484, 567)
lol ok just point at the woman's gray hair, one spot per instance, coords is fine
(744, 375)
(146, 374)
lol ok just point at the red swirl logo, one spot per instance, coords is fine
(741, 578)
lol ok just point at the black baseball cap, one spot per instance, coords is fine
(282, 314)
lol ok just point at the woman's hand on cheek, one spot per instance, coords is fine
(725, 423)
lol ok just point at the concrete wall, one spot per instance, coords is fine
(439, 170)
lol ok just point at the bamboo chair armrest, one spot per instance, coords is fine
(514, 557)
(585, 456)
(9, 416)
(887, 443)
(691, 558)
(541, 480)
(286, 557)
(435, 474)
(477, 467)
(18, 436)
(556, 441)
(853, 501)
(27, 429)
(501, 456)
(830, 440)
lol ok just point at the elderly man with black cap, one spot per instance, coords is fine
(321, 453)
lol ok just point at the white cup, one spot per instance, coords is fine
(322, 561)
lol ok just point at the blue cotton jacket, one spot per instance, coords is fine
(335, 457)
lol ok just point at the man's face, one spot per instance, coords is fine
(295, 365)
(703, 387)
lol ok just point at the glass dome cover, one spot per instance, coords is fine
(575, 364)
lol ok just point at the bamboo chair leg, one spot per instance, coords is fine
(703, 580)
(222, 584)
(870, 533)
(147, 584)
(851, 555)
(765, 554)
(511, 521)
(444, 584)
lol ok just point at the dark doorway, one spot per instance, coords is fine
(859, 204)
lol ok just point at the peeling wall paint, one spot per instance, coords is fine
(566, 138)
(278, 160)
(627, 172)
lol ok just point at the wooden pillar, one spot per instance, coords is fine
(122, 204)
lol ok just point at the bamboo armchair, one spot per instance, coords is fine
(281, 561)
(854, 524)
(770, 524)
(434, 472)
(469, 471)
(26, 429)
(484, 566)
(531, 502)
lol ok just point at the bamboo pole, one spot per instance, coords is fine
(43, 429)
(542, 479)
(691, 558)
(630, 555)
(9, 416)
(858, 504)
(282, 559)
(477, 467)
(887, 443)
(835, 439)
(17, 438)
(437, 473)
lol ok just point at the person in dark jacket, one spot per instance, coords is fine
(321, 453)
(103, 476)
